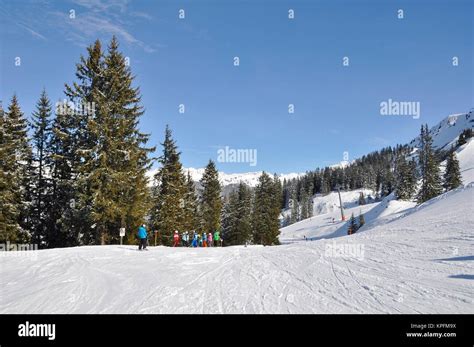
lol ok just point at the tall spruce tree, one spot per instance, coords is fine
(169, 192)
(191, 213)
(452, 175)
(112, 182)
(9, 186)
(211, 202)
(61, 222)
(243, 227)
(429, 168)
(15, 194)
(229, 218)
(122, 199)
(266, 211)
(41, 169)
(81, 126)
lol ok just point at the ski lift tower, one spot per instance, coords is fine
(338, 187)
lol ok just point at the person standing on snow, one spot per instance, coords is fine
(176, 239)
(185, 239)
(204, 240)
(142, 235)
(209, 240)
(216, 238)
(194, 244)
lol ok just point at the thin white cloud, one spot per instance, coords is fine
(142, 15)
(103, 5)
(31, 31)
(87, 26)
(93, 18)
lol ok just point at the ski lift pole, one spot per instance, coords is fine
(340, 204)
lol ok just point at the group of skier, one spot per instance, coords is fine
(195, 239)
(186, 239)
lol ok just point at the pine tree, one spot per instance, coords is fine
(277, 193)
(62, 222)
(310, 199)
(452, 175)
(304, 204)
(295, 215)
(243, 228)
(362, 199)
(79, 126)
(352, 229)
(191, 212)
(237, 216)
(361, 220)
(112, 182)
(387, 182)
(169, 192)
(15, 186)
(9, 208)
(211, 202)
(40, 171)
(429, 168)
(266, 211)
(464, 136)
(405, 181)
(229, 218)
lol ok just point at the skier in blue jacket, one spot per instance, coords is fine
(142, 235)
(195, 240)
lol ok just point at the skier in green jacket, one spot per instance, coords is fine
(217, 238)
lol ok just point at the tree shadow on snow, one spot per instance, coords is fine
(463, 258)
(463, 276)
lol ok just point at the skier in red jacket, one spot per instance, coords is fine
(176, 239)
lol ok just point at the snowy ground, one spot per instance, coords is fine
(421, 261)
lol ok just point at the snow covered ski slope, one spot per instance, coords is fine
(422, 261)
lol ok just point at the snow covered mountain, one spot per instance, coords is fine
(232, 179)
(446, 132)
(249, 178)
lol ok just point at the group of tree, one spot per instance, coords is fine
(421, 177)
(82, 174)
(244, 216)
(355, 224)
(401, 170)
(76, 173)
(374, 171)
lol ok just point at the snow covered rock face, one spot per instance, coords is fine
(446, 132)
(420, 262)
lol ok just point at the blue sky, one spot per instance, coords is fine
(190, 61)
